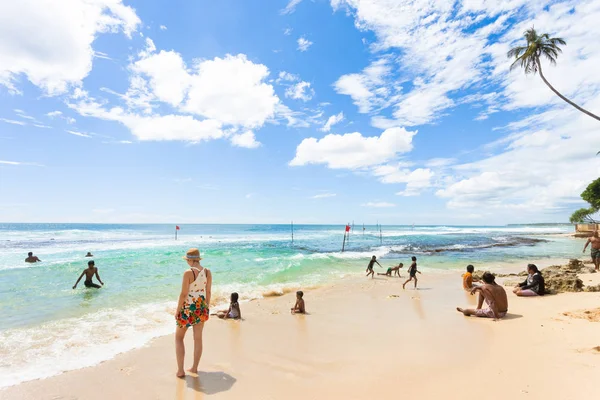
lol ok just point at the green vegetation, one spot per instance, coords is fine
(528, 57)
(592, 195)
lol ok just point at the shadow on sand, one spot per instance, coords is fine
(210, 382)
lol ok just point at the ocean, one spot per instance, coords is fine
(46, 327)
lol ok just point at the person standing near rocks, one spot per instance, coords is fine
(595, 242)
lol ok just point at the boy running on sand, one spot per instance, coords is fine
(412, 271)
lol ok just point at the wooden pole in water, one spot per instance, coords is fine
(380, 236)
(292, 232)
(344, 242)
(363, 229)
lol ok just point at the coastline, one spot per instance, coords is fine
(363, 338)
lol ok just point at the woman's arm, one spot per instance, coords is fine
(535, 280)
(185, 288)
(208, 286)
(522, 284)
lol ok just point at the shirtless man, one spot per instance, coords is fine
(494, 296)
(89, 273)
(595, 241)
(31, 258)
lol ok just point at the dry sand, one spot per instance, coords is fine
(364, 339)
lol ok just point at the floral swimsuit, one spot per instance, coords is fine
(195, 308)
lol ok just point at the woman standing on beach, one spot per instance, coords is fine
(192, 309)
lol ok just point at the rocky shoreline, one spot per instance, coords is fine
(558, 278)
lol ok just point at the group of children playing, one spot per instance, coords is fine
(412, 270)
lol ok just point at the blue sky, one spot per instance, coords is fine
(318, 111)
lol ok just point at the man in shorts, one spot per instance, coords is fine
(494, 296)
(595, 241)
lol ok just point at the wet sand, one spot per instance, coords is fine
(364, 339)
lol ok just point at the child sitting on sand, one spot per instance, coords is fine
(395, 270)
(299, 306)
(468, 278)
(234, 311)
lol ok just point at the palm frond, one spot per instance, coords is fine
(528, 56)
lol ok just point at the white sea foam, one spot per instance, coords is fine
(73, 343)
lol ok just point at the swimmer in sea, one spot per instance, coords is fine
(89, 273)
(31, 258)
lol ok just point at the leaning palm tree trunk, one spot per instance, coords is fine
(583, 110)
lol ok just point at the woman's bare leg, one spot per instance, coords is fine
(404, 284)
(197, 346)
(180, 350)
(416, 281)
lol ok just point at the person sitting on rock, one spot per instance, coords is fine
(534, 285)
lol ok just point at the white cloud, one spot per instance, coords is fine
(225, 95)
(50, 42)
(12, 121)
(323, 195)
(168, 78)
(333, 120)
(247, 140)
(163, 28)
(304, 44)
(379, 204)
(416, 180)
(369, 89)
(286, 76)
(15, 163)
(291, 7)
(300, 91)
(53, 114)
(440, 48)
(85, 135)
(287, 31)
(353, 150)
(250, 195)
(232, 90)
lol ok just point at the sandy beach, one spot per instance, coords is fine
(363, 339)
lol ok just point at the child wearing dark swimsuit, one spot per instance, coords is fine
(412, 272)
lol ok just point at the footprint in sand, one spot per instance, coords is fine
(392, 296)
(127, 370)
(596, 349)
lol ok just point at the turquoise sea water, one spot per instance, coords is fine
(47, 327)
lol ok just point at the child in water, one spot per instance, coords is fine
(234, 311)
(299, 306)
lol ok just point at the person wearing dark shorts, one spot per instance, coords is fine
(595, 242)
(412, 272)
(89, 273)
(369, 270)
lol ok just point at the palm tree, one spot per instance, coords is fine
(528, 57)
